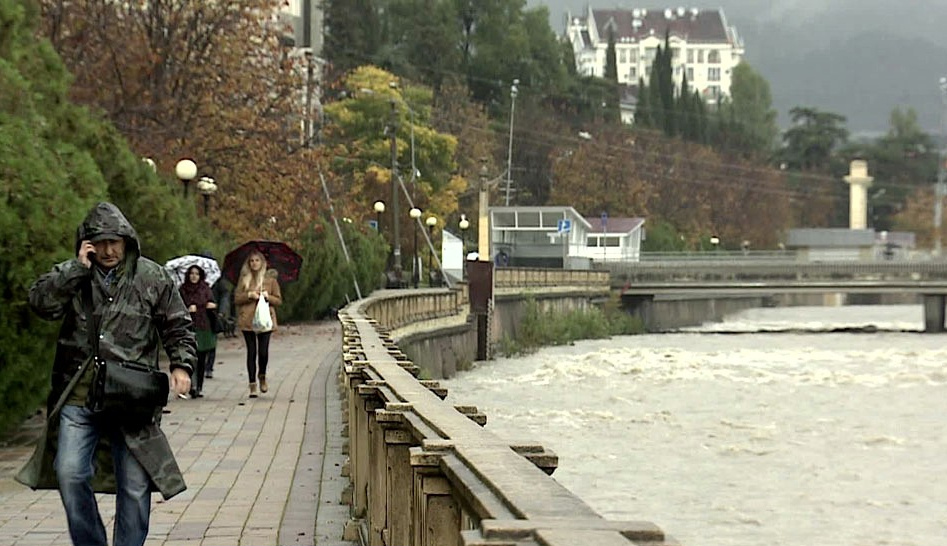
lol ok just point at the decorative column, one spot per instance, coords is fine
(859, 182)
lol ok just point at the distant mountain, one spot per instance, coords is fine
(858, 58)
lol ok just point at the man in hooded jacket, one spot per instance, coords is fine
(135, 305)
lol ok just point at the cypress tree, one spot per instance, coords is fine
(643, 109)
(666, 83)
(612, 100)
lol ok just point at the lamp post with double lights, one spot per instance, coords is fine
(185, 170)
(415, 213)
(206, 186)
(431, 221)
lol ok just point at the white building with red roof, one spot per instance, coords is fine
(703, 45)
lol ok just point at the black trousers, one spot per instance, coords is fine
(258, 345)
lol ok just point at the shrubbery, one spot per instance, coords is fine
(325, 281)
(541, 328)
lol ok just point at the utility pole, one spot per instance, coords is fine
(392, 130)
(941, 169)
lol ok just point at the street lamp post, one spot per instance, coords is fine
(431, 221)
(379, 207)
(185, 170)
(206, 186)
(415, 213)
(514, 90)
(463, 225)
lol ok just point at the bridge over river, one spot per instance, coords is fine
(734, 275)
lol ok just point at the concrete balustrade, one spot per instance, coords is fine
(426, 473)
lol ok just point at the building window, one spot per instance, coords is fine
(700, 55)
(690, 73)
(690, 55)
(713, 74)
(527, 219)
(633, 73)
(713, 56)
(675, 53)
(647, 72)
(650, 53)
(633, 55)
(621, 56)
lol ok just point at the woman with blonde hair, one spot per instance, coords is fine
(254, 283)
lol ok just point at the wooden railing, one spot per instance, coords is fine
(425, 473)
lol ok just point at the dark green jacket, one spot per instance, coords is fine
(137, 313)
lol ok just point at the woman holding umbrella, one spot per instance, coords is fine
(254, 283)
(198, 298)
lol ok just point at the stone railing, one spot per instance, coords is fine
(425, 473)
(517, 278)
(394, 309)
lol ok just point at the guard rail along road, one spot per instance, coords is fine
(426, 473)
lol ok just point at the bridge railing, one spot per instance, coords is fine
(749, 270)
(425, 473)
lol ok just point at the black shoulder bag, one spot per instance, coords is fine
(130, 392)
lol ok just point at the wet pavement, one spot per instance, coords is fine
(260, 471)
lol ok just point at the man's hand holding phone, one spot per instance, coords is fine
(86, 253)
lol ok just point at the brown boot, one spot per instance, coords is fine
(252, 390)
(263, 385)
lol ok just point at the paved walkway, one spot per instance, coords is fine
(262, 471)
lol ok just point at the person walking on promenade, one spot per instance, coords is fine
(224, 300)
(256, 282)
(198, 299)
(133, 305)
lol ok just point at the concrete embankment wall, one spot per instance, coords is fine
(446, 345)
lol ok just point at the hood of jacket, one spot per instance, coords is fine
(107, 219)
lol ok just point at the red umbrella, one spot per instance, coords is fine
(278, 256)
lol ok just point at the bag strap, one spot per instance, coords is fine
(86, 294)
(90, 317)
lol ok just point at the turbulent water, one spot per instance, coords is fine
(769, 428)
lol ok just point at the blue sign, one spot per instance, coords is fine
(604, 220)
(373, 224)
(564, 225)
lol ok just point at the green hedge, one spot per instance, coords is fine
(58, 159)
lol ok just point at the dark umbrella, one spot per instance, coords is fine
(278, 256)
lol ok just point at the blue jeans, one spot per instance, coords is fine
(79, 433)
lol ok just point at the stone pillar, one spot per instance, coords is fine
(934, 313)
(859, 182)
(436, 513)
(377, 481)
(400, 486)
(483, 223)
